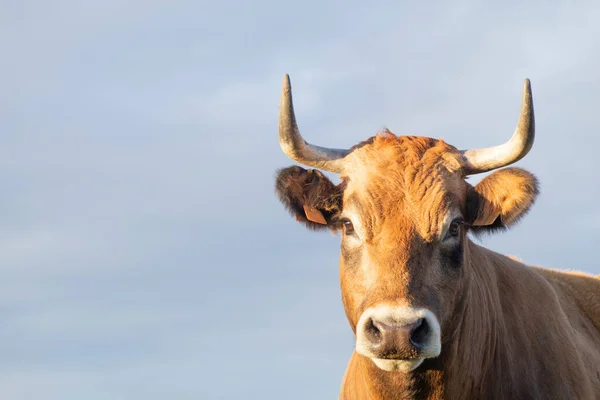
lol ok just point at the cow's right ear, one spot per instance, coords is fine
(309, 196)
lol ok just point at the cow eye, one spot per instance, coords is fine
(348, 227)
(454, 229)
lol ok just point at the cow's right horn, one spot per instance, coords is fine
(295, 147)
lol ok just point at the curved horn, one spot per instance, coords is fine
(483, 160)
(295, 147)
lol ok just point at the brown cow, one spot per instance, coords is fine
(434, 314)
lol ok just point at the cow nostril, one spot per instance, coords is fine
(419, 334)
(372, 331)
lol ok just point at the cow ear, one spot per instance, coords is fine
(309, 196)
(501, 199)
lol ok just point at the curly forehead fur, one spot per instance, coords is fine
(398, 175)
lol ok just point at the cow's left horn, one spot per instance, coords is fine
(295, 147)
(483, 160)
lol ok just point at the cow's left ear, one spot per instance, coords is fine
(501, 199)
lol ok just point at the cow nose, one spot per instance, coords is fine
(393, 340)
(396, 338)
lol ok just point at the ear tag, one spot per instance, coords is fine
(487, 217)
(314, 215)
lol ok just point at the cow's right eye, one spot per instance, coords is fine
(348, 227)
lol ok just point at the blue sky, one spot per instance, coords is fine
(143, 254)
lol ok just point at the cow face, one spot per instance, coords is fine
(403, 210)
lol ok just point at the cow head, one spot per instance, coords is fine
(403, 209)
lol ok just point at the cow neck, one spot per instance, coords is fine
(479, 328)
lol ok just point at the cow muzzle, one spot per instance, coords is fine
(398, 338)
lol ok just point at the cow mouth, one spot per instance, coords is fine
(398, 365)
(395, 357)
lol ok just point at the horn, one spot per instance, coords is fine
(295, 147)
(487, 159)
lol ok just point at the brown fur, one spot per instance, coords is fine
(298, 187)
(501, 199)
(509, 331)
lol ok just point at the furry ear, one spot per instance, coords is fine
(501, 199)
(309, 196)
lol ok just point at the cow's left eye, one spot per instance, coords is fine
(454, 228)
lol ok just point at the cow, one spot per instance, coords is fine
(434, 314)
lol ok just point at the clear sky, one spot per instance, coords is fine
(143, 254)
